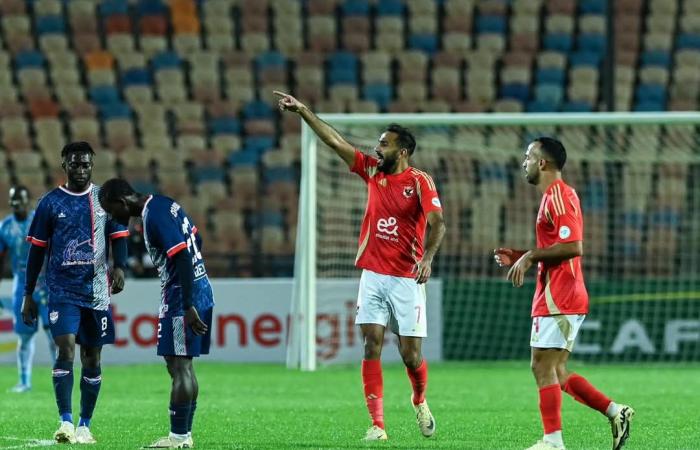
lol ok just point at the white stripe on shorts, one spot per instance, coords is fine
(179, 336)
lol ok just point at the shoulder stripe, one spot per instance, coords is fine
(426, 177)
(559, 207)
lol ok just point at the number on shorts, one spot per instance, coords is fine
(417, 314)
(104, 324)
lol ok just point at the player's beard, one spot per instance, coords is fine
(387, 165)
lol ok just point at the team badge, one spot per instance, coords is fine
(382, 182)
(53, 316)
(564, 232)
(408, 191)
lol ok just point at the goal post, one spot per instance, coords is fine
(635, 174)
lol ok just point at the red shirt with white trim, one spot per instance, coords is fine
(560, 287)
(393, 228)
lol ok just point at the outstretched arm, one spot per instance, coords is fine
(324, 131)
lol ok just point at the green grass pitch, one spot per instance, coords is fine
(476, 406)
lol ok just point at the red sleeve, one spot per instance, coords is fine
(566, 215)
(365, 165)
(428, 194)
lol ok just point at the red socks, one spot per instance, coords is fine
(374, 390)
(419, 381)
(583, 391)
(550, 408)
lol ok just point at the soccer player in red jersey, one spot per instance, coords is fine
(395, 261)
(560, 303)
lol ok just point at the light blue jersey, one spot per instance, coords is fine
(13, 240)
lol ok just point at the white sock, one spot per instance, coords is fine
(178, 437)
(613, 409)
(554, 438)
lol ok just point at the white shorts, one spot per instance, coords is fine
(397, 302)
(555, 331)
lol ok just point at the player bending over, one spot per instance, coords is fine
(13, 234)
(175, 248)
(560, 303)
(395, 266)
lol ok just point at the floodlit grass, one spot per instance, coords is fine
(476, 406)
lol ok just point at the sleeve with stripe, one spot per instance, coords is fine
(565, 210)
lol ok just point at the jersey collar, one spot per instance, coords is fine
(145, 205)
(78, 194)
(554, 183)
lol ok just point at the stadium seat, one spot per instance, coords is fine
(29, 59)
(491, 24)
(592, 59)
(650, 93)
(538, 106)
(390, 8)
(656, 58)
(577, 107)
(424, 42)
(558, 42)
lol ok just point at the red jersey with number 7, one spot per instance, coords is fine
(560, 286)
(393, 228)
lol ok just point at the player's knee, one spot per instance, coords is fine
(411, 358)
(65, 354)
(25, 340)
(372, 347)
(562, 374)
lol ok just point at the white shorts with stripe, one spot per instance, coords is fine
(557, 331)
(396, 302)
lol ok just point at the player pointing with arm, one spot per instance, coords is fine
(395, 261)
(73, 231)
(560, 303)
(187, 301)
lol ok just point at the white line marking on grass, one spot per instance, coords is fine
(28, 442)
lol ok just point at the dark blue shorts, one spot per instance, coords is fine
(175, 340)
(91, 327)
(42, 303)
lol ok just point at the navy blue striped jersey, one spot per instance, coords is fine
(76, 231)
(168, 230)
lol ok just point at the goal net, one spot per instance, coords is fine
(637, 175)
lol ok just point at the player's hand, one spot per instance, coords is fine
(29, 310)
(505, 257)
(423, 270)
(117, 280)
(516, 274)
(288, 103)
(192, 319)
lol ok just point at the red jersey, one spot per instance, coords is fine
(393, 229)
(560, 287)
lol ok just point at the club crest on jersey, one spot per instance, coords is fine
(53, 316)
(382, 182)
(408, 191)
